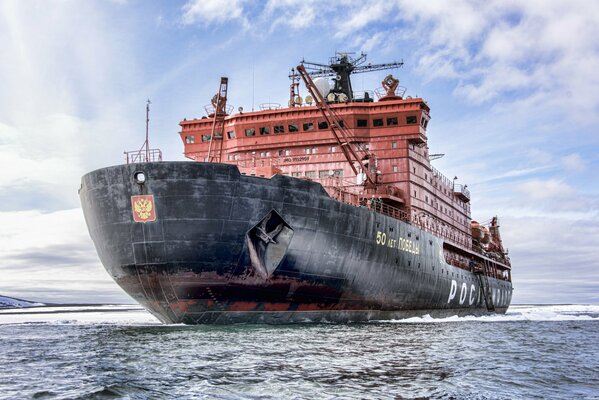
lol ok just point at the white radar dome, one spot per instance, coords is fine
(322, 84)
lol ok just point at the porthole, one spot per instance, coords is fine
(139, 177)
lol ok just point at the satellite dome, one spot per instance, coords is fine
(322, 84)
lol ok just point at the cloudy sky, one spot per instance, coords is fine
(513, 87)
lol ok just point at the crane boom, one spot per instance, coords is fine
(340, 133)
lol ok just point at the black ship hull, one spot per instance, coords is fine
(226, 248)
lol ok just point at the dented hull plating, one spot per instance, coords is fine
(228, 248)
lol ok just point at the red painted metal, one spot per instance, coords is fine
(329, 142)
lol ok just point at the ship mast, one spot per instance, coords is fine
(340, 67)
(147, 145)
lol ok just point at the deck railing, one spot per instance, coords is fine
(142, 156)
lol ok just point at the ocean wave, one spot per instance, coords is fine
(519, 313)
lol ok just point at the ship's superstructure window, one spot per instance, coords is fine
(205, 138)
(338, 172)
(231, 134)
(264, 130)
(293, 128)
(284, 152)
(310, 174)
(332, 149)
(279, 129)
(395, 169)
(250, 132)
(296, 174)
(411, 119)
(190, 139)
(323, 125)
(324, 173)
(377, 122)
(391, 121)
(308, 126)
(394, 145)
(362, 123)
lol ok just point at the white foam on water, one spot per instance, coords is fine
(80, 315)
(546, 313)
(136, 315)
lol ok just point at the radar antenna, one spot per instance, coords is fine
(340, 67)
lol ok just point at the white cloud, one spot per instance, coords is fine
(538, 189)
(50, 257)
(213, 11)
(573, 162)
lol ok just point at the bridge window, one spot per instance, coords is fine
(323, 125)
(377, 122)
(362, 123)
(308, 126)
(391, 121)
(279, 129)
(411, 119)
(190, 139)
(205, 138)
(231, 134)
(250, 132)
(264, 130)
(293, 128)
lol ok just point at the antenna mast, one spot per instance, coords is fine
(147, 144)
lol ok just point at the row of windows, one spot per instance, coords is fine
(280, 152)
(321, 174)
(309, 126)
(280, 129)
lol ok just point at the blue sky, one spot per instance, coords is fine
(513, 87)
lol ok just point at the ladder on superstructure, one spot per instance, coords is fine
(219, 102)
(483, 278)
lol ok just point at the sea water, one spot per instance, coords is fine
(112, 352)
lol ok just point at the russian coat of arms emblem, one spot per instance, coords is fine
(144, 209)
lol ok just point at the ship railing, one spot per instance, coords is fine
(461, 191)
(386, 209)
(210, 109)
(270, 106)
(365, 96)
(142, 156)
(442, 177)
(400, 91)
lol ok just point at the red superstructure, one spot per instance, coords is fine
(388, 135)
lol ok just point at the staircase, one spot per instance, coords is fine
(483, 279)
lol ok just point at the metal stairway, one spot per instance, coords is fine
(483, 279)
